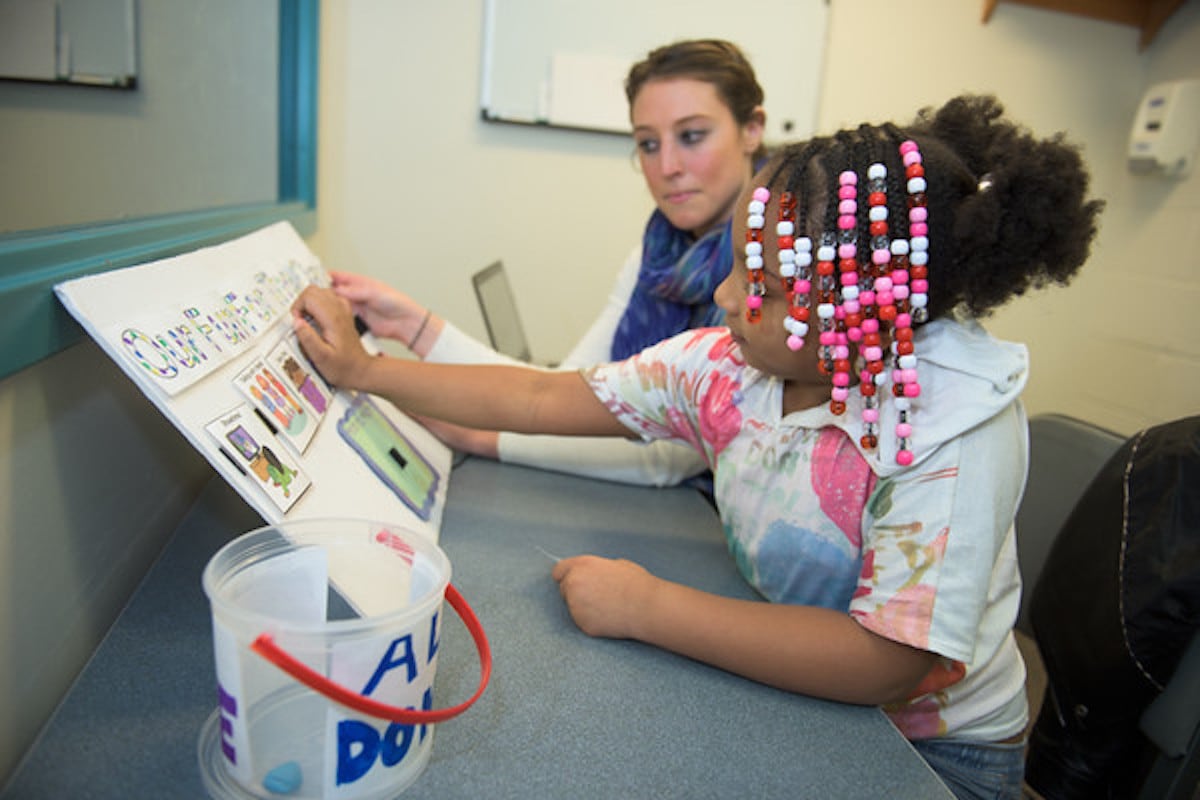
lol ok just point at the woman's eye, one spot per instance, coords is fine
(647, 146)
(693, 136)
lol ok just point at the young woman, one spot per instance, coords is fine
(865, 432)
(697, 117)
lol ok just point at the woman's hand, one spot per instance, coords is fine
(604, 595)
(466, 440)
(388, 312)
(324, 326)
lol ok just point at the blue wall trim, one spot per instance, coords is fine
(33, 325)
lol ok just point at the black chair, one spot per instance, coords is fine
(1115, 606)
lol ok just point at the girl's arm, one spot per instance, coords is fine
(805, 649)
(490, 397)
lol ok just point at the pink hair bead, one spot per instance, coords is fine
(912, 390)
(904, 320)
(873, 353)
(852, 307)
(848, 177)
(918, 229)
(762, 194)
(870, 326)
(827, 338)
(848, 206)
(880, 257)
(920, 285)
(841, 351)
(908, 375)
(839, 393)
(904, 458)
(900, 292)
(754, 301)
(870, 415)
(795, 342)
(847, 222)
(883, 284)
(907, 146)
(918, 214)
(849, 278)
(903, 430)
(867, 298)
(841, 379)
(899, 276)
(803, 286)
(847, 250)
(847, 192)
(854, 334)
(884, 298)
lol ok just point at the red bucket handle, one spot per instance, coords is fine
(265, 646)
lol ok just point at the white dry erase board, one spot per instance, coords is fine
(563, 62)
(208, 339)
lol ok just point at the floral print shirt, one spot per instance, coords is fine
(811, 520)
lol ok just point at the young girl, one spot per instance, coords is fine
(866, 437)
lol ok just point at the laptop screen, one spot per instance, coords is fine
(499, 310)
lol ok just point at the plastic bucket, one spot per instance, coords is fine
(326, 635)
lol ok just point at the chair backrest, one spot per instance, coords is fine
(499, 309)
(1064, 456)
(1172, 723)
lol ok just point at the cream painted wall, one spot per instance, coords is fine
(415, 189)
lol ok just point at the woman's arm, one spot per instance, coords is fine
(805, 649)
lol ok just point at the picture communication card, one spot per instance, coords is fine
(207, 337)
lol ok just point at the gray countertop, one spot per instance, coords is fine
(565, 715)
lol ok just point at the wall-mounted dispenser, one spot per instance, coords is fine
(1166, 131)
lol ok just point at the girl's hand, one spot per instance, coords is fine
(324, 328)
(604, 595)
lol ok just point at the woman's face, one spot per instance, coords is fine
(694, 155)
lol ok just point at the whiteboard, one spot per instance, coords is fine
(563, 62)
(72, 41)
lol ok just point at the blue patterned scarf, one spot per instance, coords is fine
(675, 285)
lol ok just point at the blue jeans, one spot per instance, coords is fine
(976, 770)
